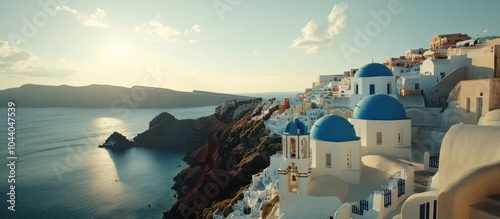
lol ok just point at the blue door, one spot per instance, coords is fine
(372, 89)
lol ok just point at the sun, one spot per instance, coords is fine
(116, 49)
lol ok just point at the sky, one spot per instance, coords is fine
(229, 46)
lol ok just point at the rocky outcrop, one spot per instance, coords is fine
(166, 132)
(117, 141)
(223, 166)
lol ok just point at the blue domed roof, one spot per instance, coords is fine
(333, 128)
(296, 127)
(379, 107)
(373, 70)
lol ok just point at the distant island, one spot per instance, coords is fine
(106, 96)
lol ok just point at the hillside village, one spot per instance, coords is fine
(359, 144)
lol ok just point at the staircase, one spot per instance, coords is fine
(436, 96)
(489, 209)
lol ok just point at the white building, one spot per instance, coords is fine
(321, 173)
(466, 185)
(381, 122)
(434, 70)
(335, 149)
(373, 78)
(325, 79)
(414, 54)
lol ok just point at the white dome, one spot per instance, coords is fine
(491, 118)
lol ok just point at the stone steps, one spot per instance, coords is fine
(489, 209)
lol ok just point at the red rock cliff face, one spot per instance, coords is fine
(236, 148)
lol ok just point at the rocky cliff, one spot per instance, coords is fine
(223, 167)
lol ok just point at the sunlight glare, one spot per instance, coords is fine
(117, 49)
(109, 125)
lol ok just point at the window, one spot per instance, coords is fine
(467, 105)
(304, 148)
(400, 137)
(379, 138)
(293, 147)
(417, 86)
(389, 88)
(442, 74)
(356, 89)
(328, 160)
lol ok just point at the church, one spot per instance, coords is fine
(321, 170)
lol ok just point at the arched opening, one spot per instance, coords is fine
(293, 147)
(379, 137)
(293, 185)
(328, 159)
(400, 137)
(356, 88)
(303, 146)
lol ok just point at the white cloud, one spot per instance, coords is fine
(14, 61)
(196, 28)
(316, 37)
(156, 31)
(91, 20)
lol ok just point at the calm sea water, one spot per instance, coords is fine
(60, 172)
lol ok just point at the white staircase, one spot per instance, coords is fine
(489, 209)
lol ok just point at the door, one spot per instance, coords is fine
(479, 109)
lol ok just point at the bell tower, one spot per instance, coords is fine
(295, 171)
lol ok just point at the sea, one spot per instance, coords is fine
(61, 173)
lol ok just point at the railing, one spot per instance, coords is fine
(356, 210)
(363, 206)
(387, 197)
(401, 187)
(434, 161)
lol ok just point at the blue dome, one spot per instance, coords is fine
(296, 127)
(379, 107)
(373, 70)
(333, 128)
